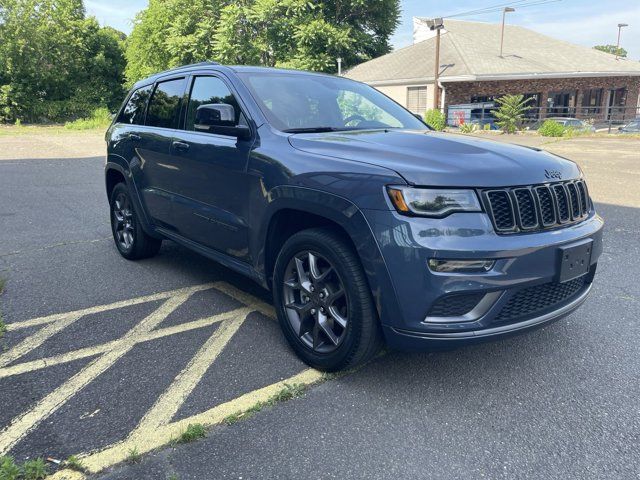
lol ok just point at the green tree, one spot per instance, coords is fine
(511, 112)
(302, 34)
(54, 62)
(612, 49)
(169, 33)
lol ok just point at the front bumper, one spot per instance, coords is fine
(524, 265)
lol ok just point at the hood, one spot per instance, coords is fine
(441, 159)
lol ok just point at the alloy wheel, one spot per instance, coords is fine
(123, 221)
(315, 301)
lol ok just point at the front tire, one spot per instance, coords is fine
(131, 240)
(323, 301)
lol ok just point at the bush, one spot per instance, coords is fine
(468, 127)
(551, 128)
(435, 119)
(100, 118)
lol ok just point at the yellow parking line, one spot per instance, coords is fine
(36, 339)
(170, 401)
(67, 474)
(163, 435)
(155, 429)
(103, 308)
(24, 423)
(247, 299)
(105, 347)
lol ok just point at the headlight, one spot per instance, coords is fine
(433, 202)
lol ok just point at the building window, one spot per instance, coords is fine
(417, 99)
(592, 101)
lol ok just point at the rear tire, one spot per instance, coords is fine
(131, 240)
(327, 329)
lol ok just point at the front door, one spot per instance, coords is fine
(212, 187)
(562, 104)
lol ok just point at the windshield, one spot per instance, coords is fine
(298, 103)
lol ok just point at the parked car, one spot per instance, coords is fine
(566, 122)
(631, 127)
(366, 225)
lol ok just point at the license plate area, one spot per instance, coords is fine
(574, 260)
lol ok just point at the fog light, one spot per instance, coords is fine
(460, 266)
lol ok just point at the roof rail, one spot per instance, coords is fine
(199, 64)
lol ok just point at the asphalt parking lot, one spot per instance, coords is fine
(103, 357)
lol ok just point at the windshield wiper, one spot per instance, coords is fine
(316, 129)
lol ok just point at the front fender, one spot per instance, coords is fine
(348, 216)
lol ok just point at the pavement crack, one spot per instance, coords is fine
(55, 245)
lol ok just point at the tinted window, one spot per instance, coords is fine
(164, 109)
(208, 91)
(133, 111)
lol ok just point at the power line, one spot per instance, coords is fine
(490, 8)
(500, 6)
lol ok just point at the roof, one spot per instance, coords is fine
(471, 51)
(236, 68)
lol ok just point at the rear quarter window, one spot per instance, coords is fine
(133, 111)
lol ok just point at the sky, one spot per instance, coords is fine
(585, 22)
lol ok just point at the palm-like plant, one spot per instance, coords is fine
(511, 112)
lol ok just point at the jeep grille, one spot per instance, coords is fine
(537, 207)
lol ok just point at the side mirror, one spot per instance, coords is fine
(620, 129)
(220, 118)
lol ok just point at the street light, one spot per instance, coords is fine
(620, 25)
(437, 25)
(504, 13)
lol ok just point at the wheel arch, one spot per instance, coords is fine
(293, 209)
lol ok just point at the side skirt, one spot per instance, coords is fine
(222, 258)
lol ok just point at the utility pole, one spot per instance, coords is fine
(620, 25)
(437, 25)
(504, 13)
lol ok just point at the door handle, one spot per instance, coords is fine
(180, 146)
(134, 137)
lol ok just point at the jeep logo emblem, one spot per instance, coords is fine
(553, 174)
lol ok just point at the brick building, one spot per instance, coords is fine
(562, 79)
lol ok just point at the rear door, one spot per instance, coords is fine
(125, 134)
(212, 187)
(158, 174)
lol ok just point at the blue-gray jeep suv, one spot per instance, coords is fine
(366, 225)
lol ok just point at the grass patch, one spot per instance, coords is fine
(192, 433)
(34, 469)
(288, 392)
(74, 463)
(29, 470)
(100, 118)
(133, 456)
(8, 469)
